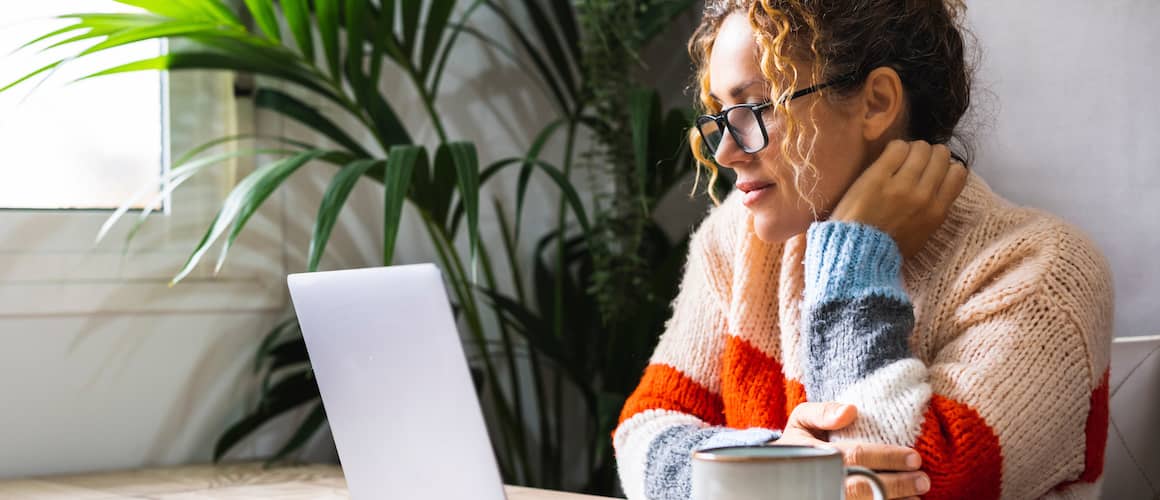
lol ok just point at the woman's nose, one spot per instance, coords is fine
(729, 153)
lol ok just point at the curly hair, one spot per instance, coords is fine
(922, 40)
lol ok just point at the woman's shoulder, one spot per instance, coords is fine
(1019, 233)
(1017, 252)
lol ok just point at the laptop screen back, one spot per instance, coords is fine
(395, 384)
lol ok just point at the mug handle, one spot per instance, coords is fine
(875, 483)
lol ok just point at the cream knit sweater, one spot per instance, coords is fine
(987, 352)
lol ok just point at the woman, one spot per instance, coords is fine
(861, 287)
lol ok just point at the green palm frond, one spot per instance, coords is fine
(401, 164)
(241, 203)
(332, 202)
(202, 10)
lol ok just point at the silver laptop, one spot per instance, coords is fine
(395, 384)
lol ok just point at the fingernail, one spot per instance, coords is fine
(922, 484)
(913, 461)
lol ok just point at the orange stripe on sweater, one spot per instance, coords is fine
(795, 394)
(959, 451)
(755, 389)
(1096, 433)
(666, 388)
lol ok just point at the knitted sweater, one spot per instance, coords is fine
(987, 352)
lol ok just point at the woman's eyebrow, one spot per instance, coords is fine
(739, 89)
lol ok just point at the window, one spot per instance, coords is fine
(90, 144)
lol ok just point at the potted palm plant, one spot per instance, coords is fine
(336, 50)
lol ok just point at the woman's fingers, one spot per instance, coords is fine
(916, 161)
(952, 185)
(875, 456)
(891, 159)
(822, 416)
(902, 477)
(936, 170)
(897, 484)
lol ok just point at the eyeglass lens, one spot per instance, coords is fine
(743, 125)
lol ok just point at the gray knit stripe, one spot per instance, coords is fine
(669, 468)
(847, 340)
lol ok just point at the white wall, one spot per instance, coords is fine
(114, 391)
(1072, 124)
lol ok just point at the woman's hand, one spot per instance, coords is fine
(905, 193)
(898, 467)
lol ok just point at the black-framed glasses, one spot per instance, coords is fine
(744, 123)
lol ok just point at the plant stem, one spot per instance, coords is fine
(509, 247)
(442, 59)
(350, 106)
(429, 104)
(542, 411)
(428, 101)
(559, 409)
(513, 372)
(456, 275)
(558, 317)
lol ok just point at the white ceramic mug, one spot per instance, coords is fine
(774, 472)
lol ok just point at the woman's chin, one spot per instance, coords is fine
(774, 229)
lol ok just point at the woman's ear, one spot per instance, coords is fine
(883, 105)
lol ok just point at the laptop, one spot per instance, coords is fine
(395, 384)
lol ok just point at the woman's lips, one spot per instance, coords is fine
(754, 191)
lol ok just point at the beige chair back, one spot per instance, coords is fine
(1132, 466)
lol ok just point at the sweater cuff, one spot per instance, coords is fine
(669, 464)
(744, 437)
(847, 260)
(857, 315)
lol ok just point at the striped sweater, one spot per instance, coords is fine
(987, 352)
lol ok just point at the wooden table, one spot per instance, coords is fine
(231, 482)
